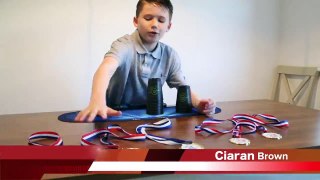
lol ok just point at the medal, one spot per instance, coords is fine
(272, 135)
(237, 132)
(240, 141)
(191, 146)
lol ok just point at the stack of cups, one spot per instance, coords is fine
(154, 97)
(184, 103)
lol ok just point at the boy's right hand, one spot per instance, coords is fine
(89, 113)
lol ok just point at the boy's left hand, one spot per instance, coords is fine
(206, 106)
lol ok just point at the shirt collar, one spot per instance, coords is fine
(142, 50)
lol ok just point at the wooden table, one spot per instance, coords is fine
(303, 132)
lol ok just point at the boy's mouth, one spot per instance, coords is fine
(154, 33)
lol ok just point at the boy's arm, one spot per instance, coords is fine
(97, 105)
(204, 106)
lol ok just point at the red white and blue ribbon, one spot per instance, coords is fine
(114, 129)
(252, 127)
(274, 121)
(98, 133)
(211, 122)
(236, 130)
(162, 124)
(45, 135)
(110, 131)
(271, 120)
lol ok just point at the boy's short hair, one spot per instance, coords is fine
(164, 3)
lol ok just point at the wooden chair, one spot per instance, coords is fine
(307, 86)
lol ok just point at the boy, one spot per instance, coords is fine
(135, 58)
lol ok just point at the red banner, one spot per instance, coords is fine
(33, 161)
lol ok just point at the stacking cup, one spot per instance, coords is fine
(184, 103)
(154, 97)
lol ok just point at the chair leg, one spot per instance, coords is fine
(288, 90)
(276, 87)
(313, 90)
(302, 84)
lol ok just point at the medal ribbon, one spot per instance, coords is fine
(105, 133)
(87, 138)
(236, 129)
(162, 124)
(252, 126)
(259, 124)
(115, 128)
(45, 135)
(210, 122)
(273, 121)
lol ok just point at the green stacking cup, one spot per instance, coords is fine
(184, 103)
(154, 97)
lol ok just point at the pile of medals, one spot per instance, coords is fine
(243, 124)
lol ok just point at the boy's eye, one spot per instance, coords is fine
(148, 18)
(162, 20)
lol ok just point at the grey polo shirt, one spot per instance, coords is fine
(128, 85)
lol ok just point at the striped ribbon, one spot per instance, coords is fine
(252, 127)
(105, 133)
(45, 135)
(162, 124)
(271, 120)
(211, 122)
(241, 121)
(115, 128)
(101, 133)
(236, 130)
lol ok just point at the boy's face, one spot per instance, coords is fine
(152, 23)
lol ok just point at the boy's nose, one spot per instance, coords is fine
(154, 24)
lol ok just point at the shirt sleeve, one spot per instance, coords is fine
(119, 49)
(175, 77)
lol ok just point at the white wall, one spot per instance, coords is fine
(50, 49)
(44, 55)
(228, 47)
(300, 33)
(300, 37)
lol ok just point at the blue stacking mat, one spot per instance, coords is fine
(136, 114)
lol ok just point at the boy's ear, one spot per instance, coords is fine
(169, 26)
(135, 22)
